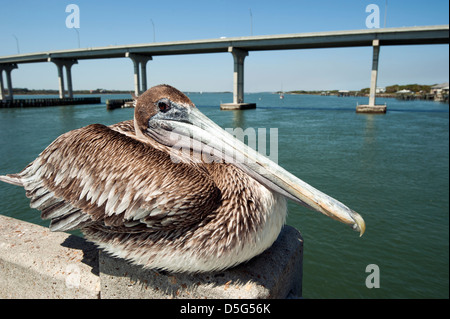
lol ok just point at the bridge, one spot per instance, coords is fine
(239, 47)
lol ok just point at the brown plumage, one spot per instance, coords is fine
(121, 186)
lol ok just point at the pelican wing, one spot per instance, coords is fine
(100, 175)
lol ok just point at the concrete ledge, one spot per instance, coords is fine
(374, 109)
(237, 106)
(276, 273)
(37, 263)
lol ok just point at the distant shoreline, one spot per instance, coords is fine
(403, 92)
(352, 94)
(196, 92)
(355, 93)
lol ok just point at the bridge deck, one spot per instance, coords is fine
(354, 38)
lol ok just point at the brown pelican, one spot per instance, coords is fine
(133, 191)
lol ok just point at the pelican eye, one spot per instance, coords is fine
(163, 105)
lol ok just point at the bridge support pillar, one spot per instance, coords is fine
(140, 71)
(238, 74)
(67, 63)
(374, 74)
(371, 107)
(238, 82)
(7, 68)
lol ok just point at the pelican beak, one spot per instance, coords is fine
(186, 128)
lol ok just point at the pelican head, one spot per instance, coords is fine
(169, 117)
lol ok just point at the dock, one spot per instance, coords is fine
(119, 103)
(48, 102)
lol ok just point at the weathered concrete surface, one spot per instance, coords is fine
(371, 109)
(36, 263)
(276, 273)
(237, 106)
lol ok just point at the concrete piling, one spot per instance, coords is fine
(67, 64)
(7, 68)
(372, 107)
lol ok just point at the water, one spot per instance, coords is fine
(393, 169)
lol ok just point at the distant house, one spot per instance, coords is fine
(440, 92)
(404, 91)
(439, 88)
(405, 95)
(344, 93)
(380, 90)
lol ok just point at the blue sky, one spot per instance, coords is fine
(41, 26)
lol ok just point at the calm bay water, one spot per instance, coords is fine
(393, 169)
